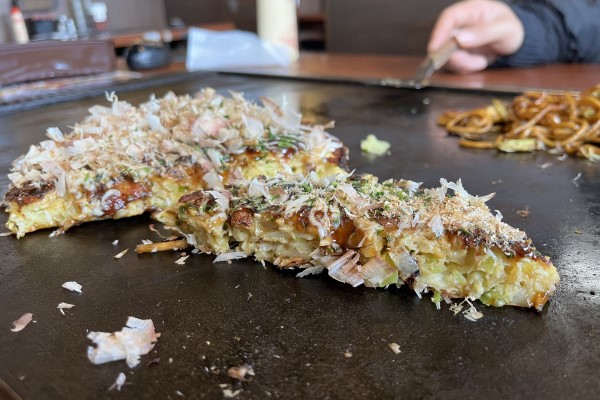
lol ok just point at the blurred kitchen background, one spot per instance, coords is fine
(343, 26)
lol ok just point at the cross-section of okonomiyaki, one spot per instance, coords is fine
(124, 160)
(361, 231)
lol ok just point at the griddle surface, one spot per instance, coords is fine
(311, 337)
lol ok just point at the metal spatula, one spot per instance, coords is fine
(433, 62)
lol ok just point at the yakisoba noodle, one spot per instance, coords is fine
(566, 122)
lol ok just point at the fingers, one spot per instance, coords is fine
(503, 35)
(450, 21)
(481, 27)
(463, 62)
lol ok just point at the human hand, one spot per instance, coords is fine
(484, 30)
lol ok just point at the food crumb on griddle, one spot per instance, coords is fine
(471, 313)
(181, 260)
(72, 286)
(22, 322)
(121, 254)
(62, 306)
(119, 382)
(240, 372)
(395, 347)
(229, 393)
(375, 146)
(137, 338)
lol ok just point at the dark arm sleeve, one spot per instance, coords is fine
(556, 31)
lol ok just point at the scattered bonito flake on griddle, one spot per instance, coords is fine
(456, 308)
(232, 255)
(546, 165)
(119, 382)
(153, 229)
(167, 238)
(121, 254)
(62, 306)
(471, 313)
(115, 242)
(181, 260)
(240, 372)
(6, 234)
(72, 286)
(228, 392)
(310, 271)
(56, 233)
(395, 347)
(22, 322)
(137, 338)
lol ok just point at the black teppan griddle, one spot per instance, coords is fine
(310, 338)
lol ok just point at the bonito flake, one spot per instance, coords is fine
(119, 382)
(22, 322)
(134, 340)
(72, 286)
(62, 306)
